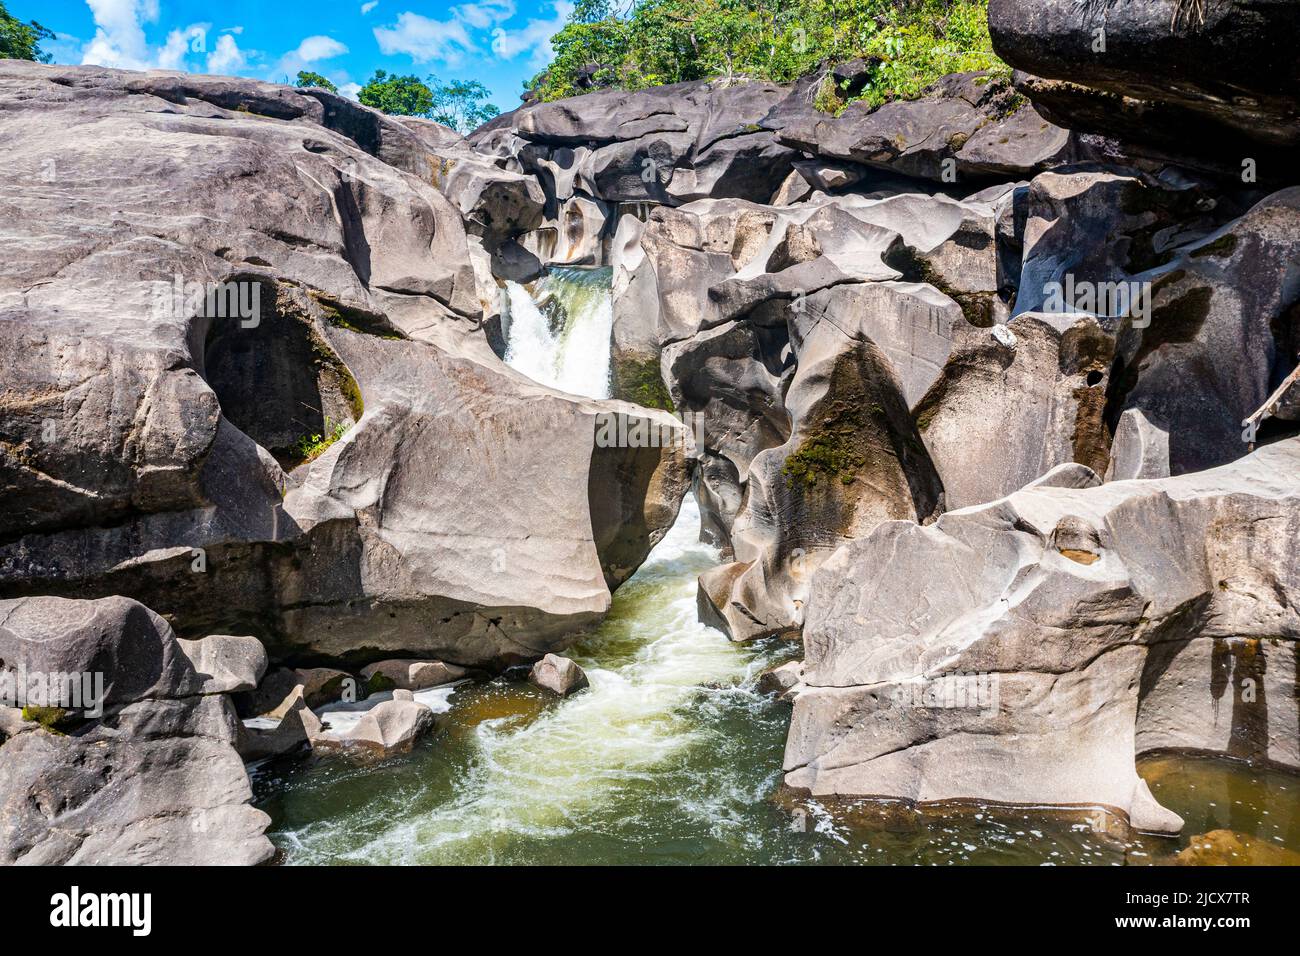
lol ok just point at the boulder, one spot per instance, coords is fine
(388, 729)
(270, 474)
(411, 675)
(1207, 84)
(666, 144)
(151, 775)
(226, 664)
(1036, 673)
(293, 725)
(783, 681)
(559, 675)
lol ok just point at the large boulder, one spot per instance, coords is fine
(1207, 84)
(150, 774)
(1025, 651)
(667, 144)
(238, 371)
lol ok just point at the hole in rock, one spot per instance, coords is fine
(276, 377)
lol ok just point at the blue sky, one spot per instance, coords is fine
(499, 42)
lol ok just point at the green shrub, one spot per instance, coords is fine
(908, 43)
(311, 447)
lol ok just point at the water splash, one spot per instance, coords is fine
(559, 334)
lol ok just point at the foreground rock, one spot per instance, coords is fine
(158, 442)
(559, 675)
(150, 777)
(1025, 651)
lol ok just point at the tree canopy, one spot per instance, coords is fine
(22, 41)
(906, 44)
(462, 105)
(309, 78)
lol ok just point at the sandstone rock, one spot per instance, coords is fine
(558, 674)
(783, 681)
(1024, 676)
(294, 725)
(668, 144)
(388, 729)
(151, 775)
(226, 664)
(323, 685)
(413, 675)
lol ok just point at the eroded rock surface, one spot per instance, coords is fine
(1026, 650)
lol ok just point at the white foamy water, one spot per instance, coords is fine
(559, 334)
(646, 665)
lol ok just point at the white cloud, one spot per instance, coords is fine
(485, 13)
(308, 52)
(450, 41)
(423, 39)
(367, 7)
(120, 40)
(533, 38)
(350, 90)
(227, 59)
(318, 48)
(119, 34)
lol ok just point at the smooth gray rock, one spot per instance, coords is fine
(414, 675)
(559, 675)
(966, 127)
(1024, 676)
(152, 452)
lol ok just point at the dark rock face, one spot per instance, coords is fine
(968, 126)
(1208, 92)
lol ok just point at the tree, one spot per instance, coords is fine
(21, 41)
(397, 95)
(461, 105)
(308, 78)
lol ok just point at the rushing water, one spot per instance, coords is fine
(671, 756)
(559, 333)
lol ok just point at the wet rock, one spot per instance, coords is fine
(559, 675)
(783, 681)
(1229, 848)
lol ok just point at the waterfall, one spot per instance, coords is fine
(559, 334)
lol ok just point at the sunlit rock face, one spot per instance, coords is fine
(331, 458)
(1025, 650)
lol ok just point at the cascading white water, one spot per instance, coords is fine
(559, 334)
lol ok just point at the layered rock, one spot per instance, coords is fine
(1026, 651)
(968, 126)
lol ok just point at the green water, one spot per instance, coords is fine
(671, 757)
